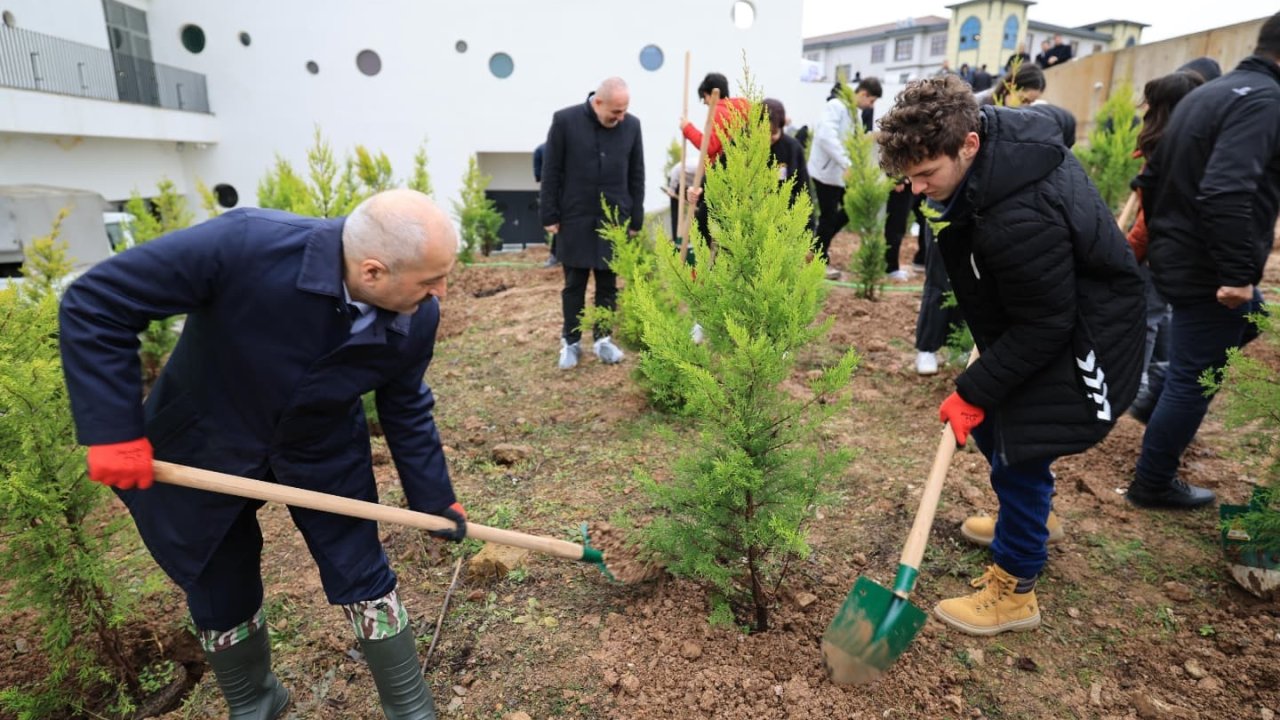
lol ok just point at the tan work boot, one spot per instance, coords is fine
(994, 609)
(981, 529)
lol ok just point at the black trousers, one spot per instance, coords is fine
(902, 203)
(573, 298)
(934, 322)
(831, 215)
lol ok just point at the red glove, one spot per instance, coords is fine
(123, 465)
(458, 515)
(963, 416)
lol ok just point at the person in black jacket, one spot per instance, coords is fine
(787, 152)
(593, 149)
(1210, 193)
(1051, 293)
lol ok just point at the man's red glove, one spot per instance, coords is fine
(963, 416)
(456, 513)
(123, 465)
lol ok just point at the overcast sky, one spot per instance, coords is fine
(1167, 18)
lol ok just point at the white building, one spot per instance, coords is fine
(112, 95)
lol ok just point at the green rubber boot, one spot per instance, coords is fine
(394, 664)
(244, 675)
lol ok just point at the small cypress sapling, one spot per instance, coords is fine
(170, 213)
(1108, 156)
(734, 512)
(374, 171)
(53, 561)
(865, 196)
(283, 189)
(1250, 392)
(421, 179)
(208, 200)
(478, 217)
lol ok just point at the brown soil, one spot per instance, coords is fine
(1140, 616)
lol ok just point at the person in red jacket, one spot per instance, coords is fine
(730, 113)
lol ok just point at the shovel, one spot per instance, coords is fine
(217, 482)
(875, 625)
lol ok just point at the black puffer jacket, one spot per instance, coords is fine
(1211, 189)
(1049, 288)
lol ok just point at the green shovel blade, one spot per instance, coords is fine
(872, 628)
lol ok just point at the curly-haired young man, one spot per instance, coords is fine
(1047, 285)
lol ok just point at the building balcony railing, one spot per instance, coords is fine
(35, 61)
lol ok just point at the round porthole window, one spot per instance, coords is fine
(226, 195)
(501, 65)
(312, 67)
(369, 62)
(651, 57)
(9, 19)
(460, 46)
(245, 39)
(193, 38)
(744, 14)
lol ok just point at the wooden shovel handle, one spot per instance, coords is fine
(698, 172)
(198, 479)
(913, 551)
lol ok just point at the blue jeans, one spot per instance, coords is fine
(1199, 336)
(1025, 492)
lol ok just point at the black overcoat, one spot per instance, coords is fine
(583, 162)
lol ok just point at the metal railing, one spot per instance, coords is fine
(35, 61)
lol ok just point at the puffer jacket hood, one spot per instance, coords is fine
(1024, 147)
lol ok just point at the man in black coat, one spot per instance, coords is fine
(1051, 292)
(1210, 194)
(593, 150)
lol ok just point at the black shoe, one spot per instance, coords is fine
(1177, 495)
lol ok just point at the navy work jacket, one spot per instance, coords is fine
(265, 381)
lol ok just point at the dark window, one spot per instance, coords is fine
(877, 53)
(369, 62)
(903, 47)
(193, 38)
(460, 46)
(312, 67)
(226, 194)
(245, 39)
(131, 54)
(938, 45)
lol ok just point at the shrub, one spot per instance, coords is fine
(170, 213)
(865, 196)
(421, 180)
(1108, 156)
(478, 217)
(53, 558)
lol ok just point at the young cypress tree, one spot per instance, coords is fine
(865, 196)
(477, 215)
(53, 560)
(421, 180)
(168, 212)
(735, 510)
(1108, 156)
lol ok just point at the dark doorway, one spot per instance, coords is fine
(520, 209)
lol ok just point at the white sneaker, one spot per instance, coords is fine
(926, 363)
(696, 334)
(833, 274)
(900, 275)
(608, 353)
(569, 353)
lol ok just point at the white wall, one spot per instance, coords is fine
(266, 102)
(38, 113)
(111, 168)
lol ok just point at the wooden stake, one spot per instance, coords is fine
(682, 204)
(707, 129)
